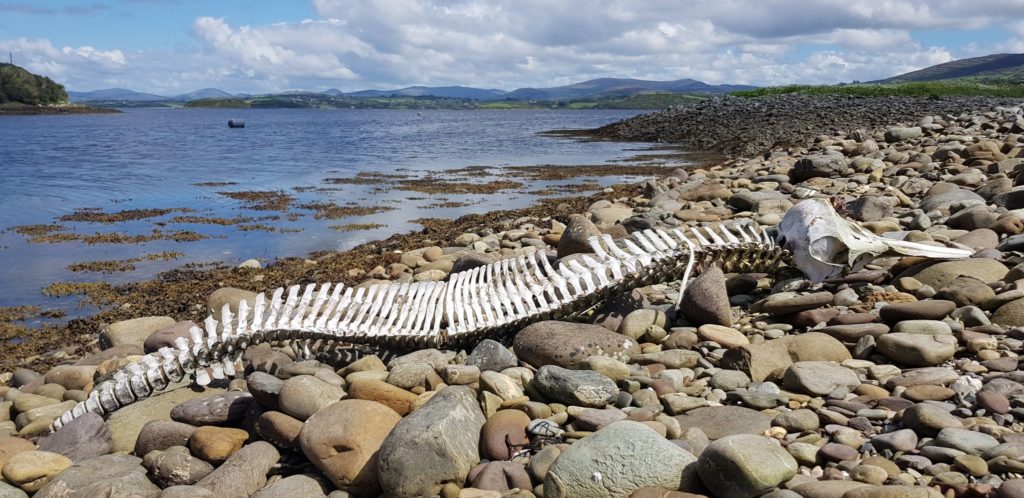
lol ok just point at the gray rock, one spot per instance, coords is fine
(219, 409)
(84, 438)
(901, 440)
(928, 420)
(872, 208)
(491, 355)
(165, 337)
(8, 491)
(435, 444)
(897, 134)
(965, 440)
(175, 467)
(107, 475)
(720, 421)
(744, 466)
(706, 299)
(567, 344)
(265, 388)
(575, 387)
(292, 486)
(244, 472)
(819, 378)
(797, 420)
(162, 434)
(815, 166)
(946, 199)
(304, 395)
(617, 460)
(917, 350)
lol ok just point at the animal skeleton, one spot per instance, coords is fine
(491, 300)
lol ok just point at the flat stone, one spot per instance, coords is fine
(31, 470)
(296, 485)
(126, 423)
(819, 378)
(567, 344)
(242, 474)
(616, 461)
(784, 303)
(215, 444)
(725, 336)
(575, 387)
(915, 349)
(931, 309)
(967, 441)
(772, 358)
(175, 467)
(940, 274)
(720, 421)
(217, 409)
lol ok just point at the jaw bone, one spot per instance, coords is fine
(824, 244)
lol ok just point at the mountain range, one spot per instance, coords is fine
(602, 87)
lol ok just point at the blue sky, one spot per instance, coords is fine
(175, 46)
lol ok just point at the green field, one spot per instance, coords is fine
(911, 89)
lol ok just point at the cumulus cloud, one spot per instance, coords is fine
(515, 43)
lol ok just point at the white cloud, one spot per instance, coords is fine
(514, 43)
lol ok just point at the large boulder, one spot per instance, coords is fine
(617, 460)
(342, 440)
(84, 438)
(574, 238)
(938, 275)
(435, 444)
(918, 350)
(567, 344)
(706, 300)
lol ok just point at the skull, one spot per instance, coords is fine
(824, 244)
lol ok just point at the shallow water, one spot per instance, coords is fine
(153, 158)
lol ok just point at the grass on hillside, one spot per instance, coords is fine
(906, 89)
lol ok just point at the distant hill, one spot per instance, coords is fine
(995, 68)
(110, 94)
(204, 93)
(19, 86)
(606, 87)
(451, 92)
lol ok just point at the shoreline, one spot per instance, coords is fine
(54, 110)
(181, 291)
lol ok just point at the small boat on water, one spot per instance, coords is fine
(236, 123)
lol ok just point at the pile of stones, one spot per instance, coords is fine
(901, 379)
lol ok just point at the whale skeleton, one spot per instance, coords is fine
(494, 300)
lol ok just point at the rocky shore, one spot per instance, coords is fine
(900, 380)
(740, 126)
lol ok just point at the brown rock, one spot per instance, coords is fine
(216, 444)
(510, 424)
(567, 344)
(396, 398)
(762, 360)
(343, 439)
(280, 429)
(165, 337)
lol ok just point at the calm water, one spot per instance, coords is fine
(151, 158)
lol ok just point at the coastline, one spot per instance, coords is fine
(26, 110)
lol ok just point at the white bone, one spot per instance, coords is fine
(823, 244)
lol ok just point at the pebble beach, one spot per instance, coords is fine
(900, 380)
